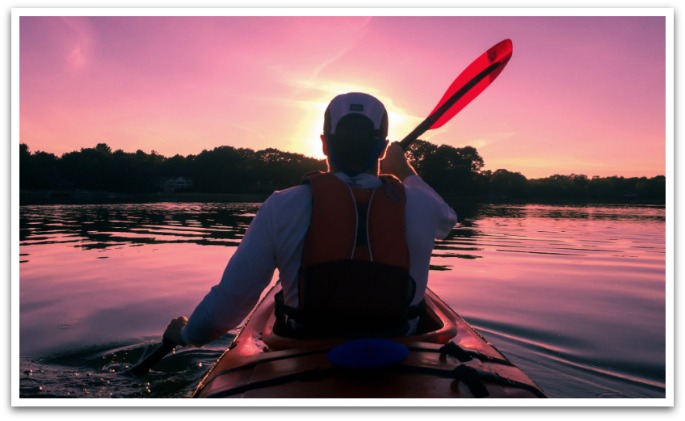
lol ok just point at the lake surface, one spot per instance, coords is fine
(574, 295)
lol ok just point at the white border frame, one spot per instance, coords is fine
(668, 13)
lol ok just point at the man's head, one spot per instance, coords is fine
(354, 132)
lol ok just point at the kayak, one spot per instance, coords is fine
(446, 358)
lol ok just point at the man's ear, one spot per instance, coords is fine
(386, 142)
(324, 144)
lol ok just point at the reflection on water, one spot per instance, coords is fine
(587, 212)
(102, 226)
(574, 295)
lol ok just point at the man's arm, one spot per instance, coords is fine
(248, 272)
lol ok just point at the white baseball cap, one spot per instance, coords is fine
(356, 103)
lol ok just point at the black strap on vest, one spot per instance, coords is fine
(327, 322)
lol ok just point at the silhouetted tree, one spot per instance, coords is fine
(38, 170)
(508, 185)
(418, 151)
(453, 172)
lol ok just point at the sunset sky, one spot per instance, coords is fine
(582, 94)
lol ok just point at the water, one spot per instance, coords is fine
(574, 295)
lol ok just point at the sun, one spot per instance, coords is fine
(307, 139)
(313, 139)
(400, 124)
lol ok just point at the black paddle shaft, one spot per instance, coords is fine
(431, 119)
(166, 347)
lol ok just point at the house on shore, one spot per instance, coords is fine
(175, 184)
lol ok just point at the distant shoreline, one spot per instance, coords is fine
(68, 197)
(84, 197)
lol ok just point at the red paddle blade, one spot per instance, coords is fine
(468, 85)
(480, 74)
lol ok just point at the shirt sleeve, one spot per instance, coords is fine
(441, 213)
(247, 274)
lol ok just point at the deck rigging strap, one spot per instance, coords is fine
(463, 355)
(473, 378)
(470, 377)
(454, 350)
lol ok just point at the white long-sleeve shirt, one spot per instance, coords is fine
(275, 238)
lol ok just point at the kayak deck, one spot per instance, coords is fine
(447, 359)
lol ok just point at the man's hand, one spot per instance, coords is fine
(173, 331)
(395, 162)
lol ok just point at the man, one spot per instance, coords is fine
(352, 249)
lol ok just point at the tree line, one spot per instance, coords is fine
(455, 173)
(458, 172)
(224, 169)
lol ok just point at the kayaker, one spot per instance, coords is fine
(386, 225)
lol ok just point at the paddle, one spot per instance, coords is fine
(468, 85)
(166, 347)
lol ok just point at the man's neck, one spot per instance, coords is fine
(373, 170)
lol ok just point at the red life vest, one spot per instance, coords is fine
(354, 279)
